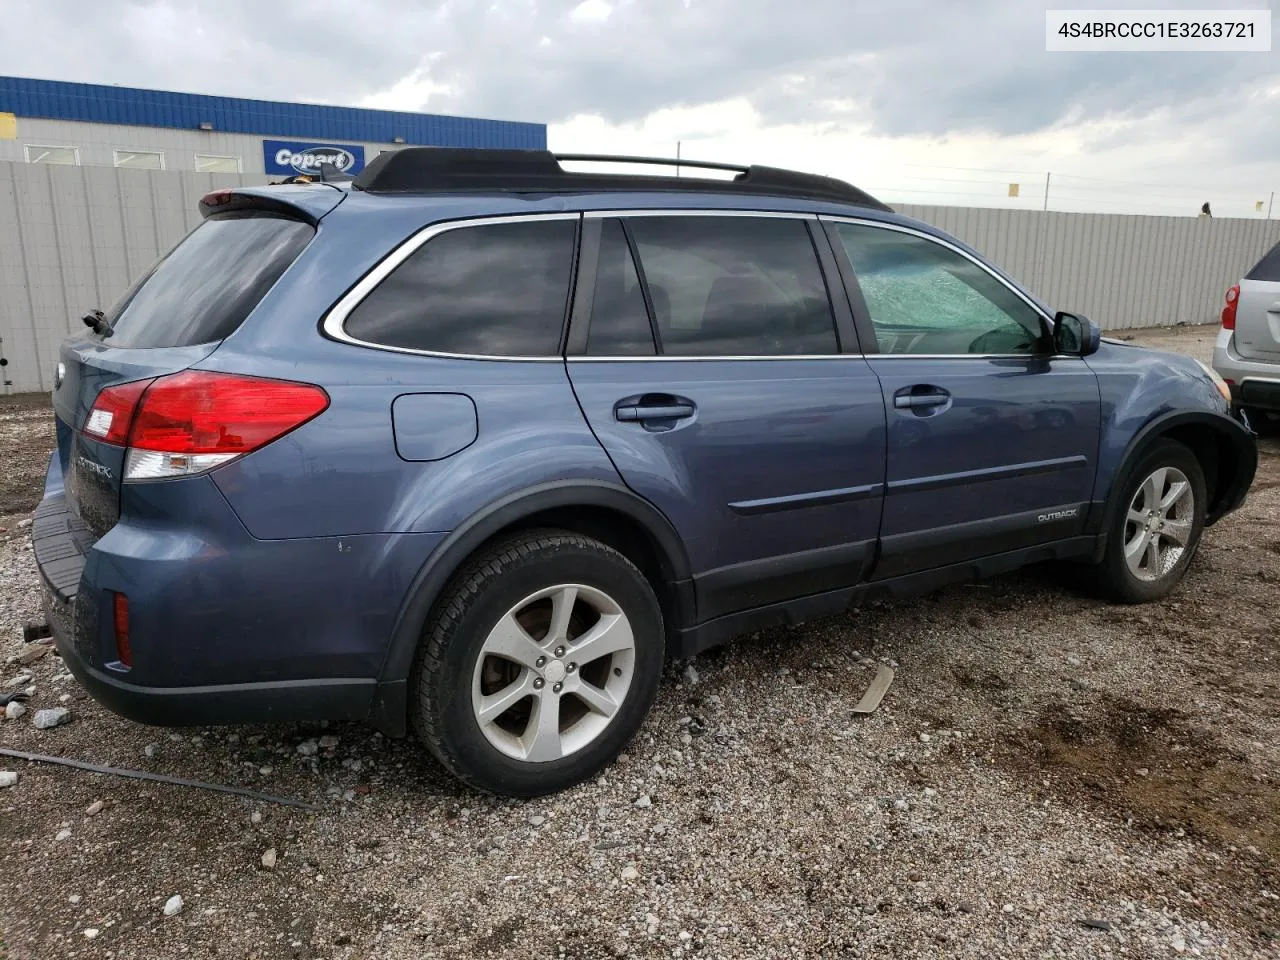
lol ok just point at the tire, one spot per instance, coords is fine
(465, 663)
(1153, 575)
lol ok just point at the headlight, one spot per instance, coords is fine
(1218, 382)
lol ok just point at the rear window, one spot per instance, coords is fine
(1268, 268)
(202, 290)
(496, 290)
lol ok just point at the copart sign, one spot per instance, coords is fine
(290, 157)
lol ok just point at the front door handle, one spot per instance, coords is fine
(914, 401)
(671, 411)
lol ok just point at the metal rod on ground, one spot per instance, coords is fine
(158, 778)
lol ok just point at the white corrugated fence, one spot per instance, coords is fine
(73, 238)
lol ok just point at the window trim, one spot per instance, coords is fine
(195, 162)
(28, 147)
(115, 158)
(695, 212)
(334, 323)
(846, 344)
(855, 291)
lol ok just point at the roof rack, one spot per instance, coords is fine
(450, 169)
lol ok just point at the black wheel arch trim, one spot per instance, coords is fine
(1240, 437)
(444, 561)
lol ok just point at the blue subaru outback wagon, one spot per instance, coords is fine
(469, 445)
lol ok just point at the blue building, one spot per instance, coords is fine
(50, 121)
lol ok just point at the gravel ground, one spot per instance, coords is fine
(1048, 777)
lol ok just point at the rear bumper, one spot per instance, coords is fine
(61, 548)
(1254, 383)
(223, 628)
(229, 703)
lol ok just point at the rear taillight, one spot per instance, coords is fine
(120, 614)
(195, 420)
(1229, 311)
(112, 412)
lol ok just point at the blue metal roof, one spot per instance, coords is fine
(131, 106)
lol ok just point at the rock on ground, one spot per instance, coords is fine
(50, 718)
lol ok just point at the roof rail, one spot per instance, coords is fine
(450, 169)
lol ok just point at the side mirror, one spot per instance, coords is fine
(1075, 335)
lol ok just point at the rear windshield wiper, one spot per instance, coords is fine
(96, 321)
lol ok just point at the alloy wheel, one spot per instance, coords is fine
(1158, 525)
(553, 672)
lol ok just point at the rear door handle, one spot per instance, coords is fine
(637, 412)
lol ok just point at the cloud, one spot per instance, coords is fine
(910, 67)
(949, 78)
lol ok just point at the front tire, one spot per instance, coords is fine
(1157, 526)
(538, 665)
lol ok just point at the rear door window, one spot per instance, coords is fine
(734, 286)
(202, 290)
(1268, 268)
(496, 290)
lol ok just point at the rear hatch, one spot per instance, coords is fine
(173, 317)
(1258, 310)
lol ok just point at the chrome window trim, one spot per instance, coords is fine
(973, 356)
(334, 324)
(697, 212)
(687, 359)
(833, 356)
(912, 231)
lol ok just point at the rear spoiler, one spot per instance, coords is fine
(303, 201)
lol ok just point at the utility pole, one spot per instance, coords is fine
(1269, 203)
(677, 158)
(1046, 191)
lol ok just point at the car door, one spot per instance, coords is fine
(705, 354)
(992, 438)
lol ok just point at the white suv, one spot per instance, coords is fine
(1247, 353)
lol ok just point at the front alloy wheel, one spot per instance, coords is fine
(1159, 524)
(1156, 526)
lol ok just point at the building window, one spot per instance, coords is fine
(209, 163)
(68, 156)
(140, 159)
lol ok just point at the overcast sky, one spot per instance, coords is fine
(926, 102)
